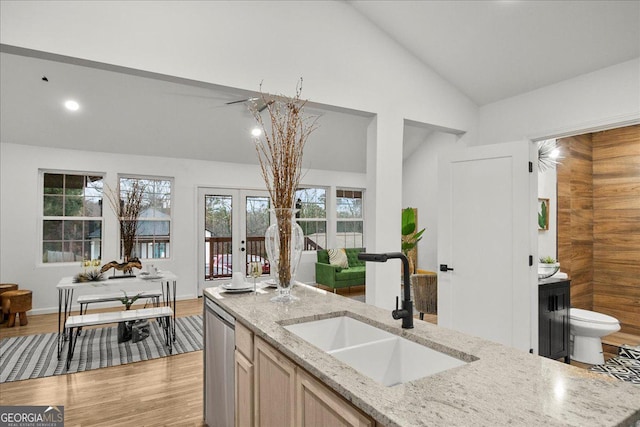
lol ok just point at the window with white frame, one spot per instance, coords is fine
(350, 221)
(153, 235)
(312, 217)
(71, 217)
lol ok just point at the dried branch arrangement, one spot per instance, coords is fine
(285, 135)
(127, 205)
(280, 156)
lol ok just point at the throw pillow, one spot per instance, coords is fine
(338, 257)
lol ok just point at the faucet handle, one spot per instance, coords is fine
(396, 303)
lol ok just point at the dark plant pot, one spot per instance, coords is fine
(124, 332)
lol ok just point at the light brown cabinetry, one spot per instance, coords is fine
(243, 367)
(274, 386)
(271, 390)
(316, 405)
(244, 390)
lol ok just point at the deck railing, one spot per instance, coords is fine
(219, 265)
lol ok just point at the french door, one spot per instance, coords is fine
(231, 227)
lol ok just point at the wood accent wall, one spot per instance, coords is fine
(599, 222)
(616, 225)
(575, 217)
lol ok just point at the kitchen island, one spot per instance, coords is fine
(497, 386)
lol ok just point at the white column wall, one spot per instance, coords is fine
(344, 59)
(20, 207)
(420, 190)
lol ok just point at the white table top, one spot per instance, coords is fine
(164, 276)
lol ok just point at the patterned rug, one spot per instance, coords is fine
(625, 366)
(34, 356)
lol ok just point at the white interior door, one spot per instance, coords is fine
(231, 226)
(486, 235)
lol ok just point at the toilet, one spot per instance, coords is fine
(587, 328)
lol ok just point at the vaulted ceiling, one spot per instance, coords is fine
(490, 50)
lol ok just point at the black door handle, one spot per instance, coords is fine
(445, 267)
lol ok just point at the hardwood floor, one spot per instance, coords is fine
(160, 392)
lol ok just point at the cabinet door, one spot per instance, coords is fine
(559, 337)
(544, 321)
(244, 391)
(317, 406)
(274, 386)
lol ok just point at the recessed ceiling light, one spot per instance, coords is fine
(72, 105)
(256, 132)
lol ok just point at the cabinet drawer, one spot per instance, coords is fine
(244, 341)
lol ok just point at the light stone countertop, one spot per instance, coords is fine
(504, 386)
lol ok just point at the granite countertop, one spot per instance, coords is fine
(499, 386)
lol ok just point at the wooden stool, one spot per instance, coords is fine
(4, 287)
(16, 302)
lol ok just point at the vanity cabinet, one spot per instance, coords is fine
(553, 318)
(271, 390)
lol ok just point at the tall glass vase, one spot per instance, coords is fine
(284, 243)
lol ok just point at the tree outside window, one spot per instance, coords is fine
(312, 217)
(71, 217)
(350, 223)
(153, 233)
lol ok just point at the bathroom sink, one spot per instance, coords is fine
(378, 354)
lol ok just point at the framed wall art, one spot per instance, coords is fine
(543, 214)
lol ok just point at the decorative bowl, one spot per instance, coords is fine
(547, 270)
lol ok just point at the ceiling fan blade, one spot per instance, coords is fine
(241, 101)
(264, 107)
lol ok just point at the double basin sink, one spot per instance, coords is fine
(381, 355)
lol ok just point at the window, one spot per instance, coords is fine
(350, 222)
(312, 217)
(154, 223)
(71, 217)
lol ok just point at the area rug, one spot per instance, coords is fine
(34, 356)
(625, 366)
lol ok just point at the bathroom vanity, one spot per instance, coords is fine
(287, 376)
(554, 301)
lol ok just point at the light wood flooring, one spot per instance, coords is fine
(160, 392)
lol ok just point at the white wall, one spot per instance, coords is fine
(345, 61)
(606, 97)
(420, 190)
(547, 189)
(20, 206)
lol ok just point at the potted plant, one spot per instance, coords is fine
(547, 267)
(125, 328)
(410, 237)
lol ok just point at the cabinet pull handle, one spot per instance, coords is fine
(556, 301)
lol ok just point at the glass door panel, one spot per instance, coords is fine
(256, 224)
(218, 236)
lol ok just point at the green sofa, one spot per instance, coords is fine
(337, 277)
